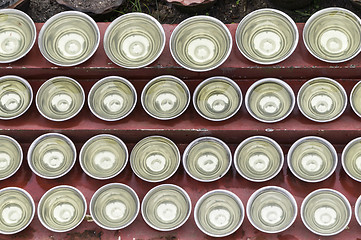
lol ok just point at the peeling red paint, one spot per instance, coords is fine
(295, 70)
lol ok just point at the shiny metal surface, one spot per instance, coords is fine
(312, 159)
(17, 210)
(326, 212)
(166, 207)
(270, 100)
(16, 96)
(200, 43)
(17, 35)
(62, 208)
(165, 97)
(217, 98)
(69, 38)
(207, 159)
(51, 155)
(103, 156)
(134, 40)
(258, 158)
(322, 99)
(114, 206)
(271, 209)
(267, 36)
(155, 158)
(333, 35)
(11, 156)
(60, 98)
(219, 213)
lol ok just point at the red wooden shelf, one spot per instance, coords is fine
(297, 69)
(301, 64)
(189, 125)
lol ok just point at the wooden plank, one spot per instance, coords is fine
(301, 64)
(295, 70)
